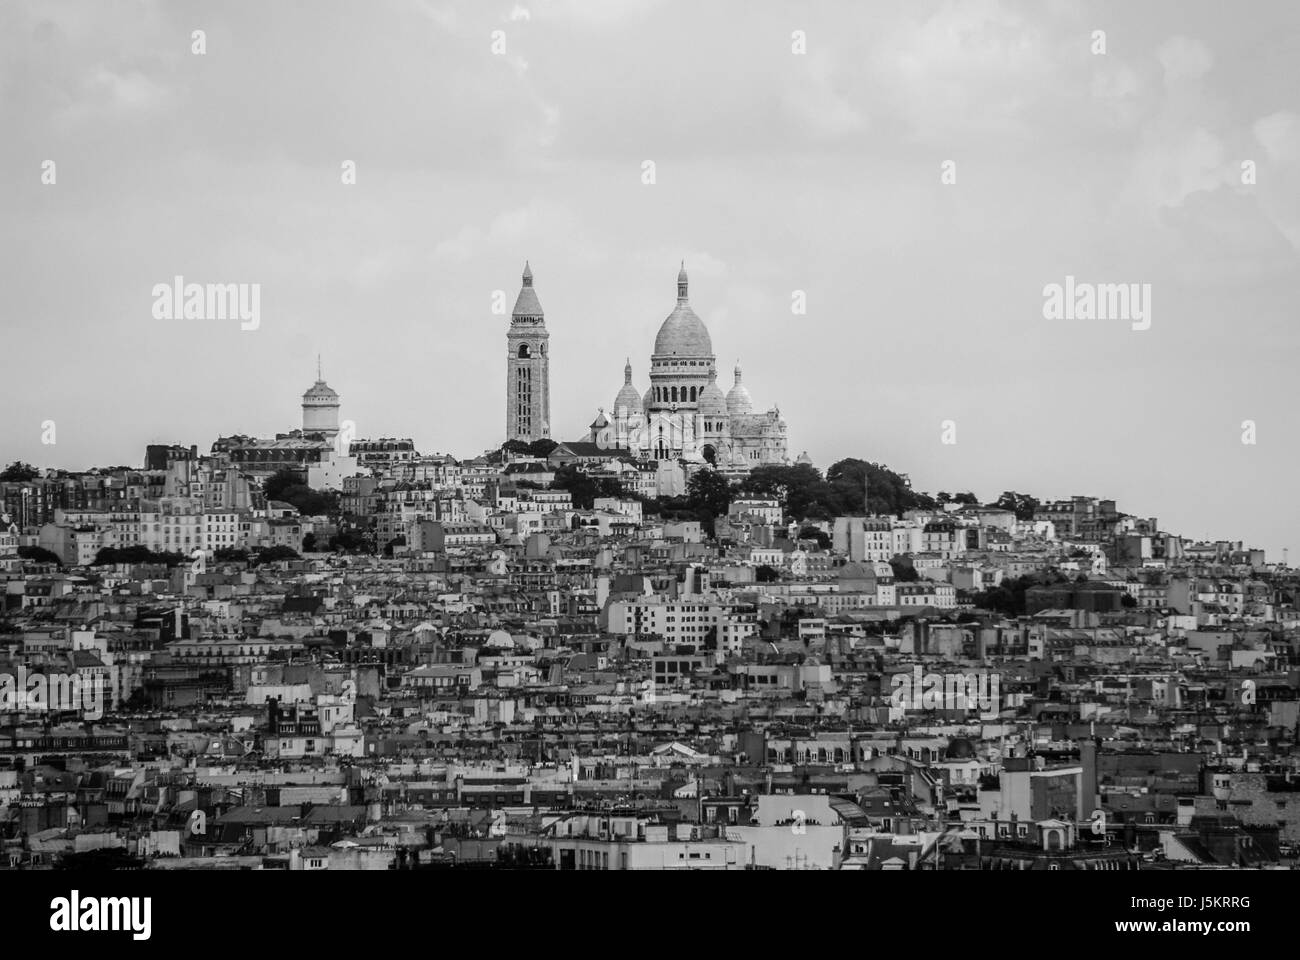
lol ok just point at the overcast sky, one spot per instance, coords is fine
(775, 172)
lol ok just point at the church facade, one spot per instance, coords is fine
(684, 415)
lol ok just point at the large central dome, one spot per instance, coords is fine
(683, 334)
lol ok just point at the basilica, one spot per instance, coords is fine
(684, 415)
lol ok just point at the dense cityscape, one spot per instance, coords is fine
(664, 643)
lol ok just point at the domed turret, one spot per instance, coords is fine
(627, 397)
(739, 403)
(320, 407)
(683, 334)
(320, 390)
(712, 402)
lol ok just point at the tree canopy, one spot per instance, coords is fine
(584, 488)
(813, 533)
(286, 485)
(137, 554)
(538, 448)
(18, 472)
(806, 495)
(1022, 504)
(39, 555)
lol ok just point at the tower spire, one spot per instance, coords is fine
(681, 283)
(319, 378)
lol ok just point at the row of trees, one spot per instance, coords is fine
(805, 494)
(850, 487)
(256, 556)
(108, 556)
(537, 448)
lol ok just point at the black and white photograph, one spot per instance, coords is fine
(482, 439)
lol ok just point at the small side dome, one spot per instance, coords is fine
(739, 402)
(627, 396)
(712, 403)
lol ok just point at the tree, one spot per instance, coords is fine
(541, 449)
(287, 486)
(813, 533)
(709, 491)
(39, 555)
(584, 488)
(18, 472)
(275, 485)
(137, 554)
(309, 542)
(766, 574)
(1009, 597)
(904, 571)
(1021, 504)
(889, 491)
(105, 858)
(275, 554)
(801, 490)
(967, 499)
(350, 541)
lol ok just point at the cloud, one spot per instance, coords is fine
(969, 67)
(1279, 135)
(539, 224)
(1118, 90)
(818, 100)
(1184, 60)
(601, 13)
(1227, 239)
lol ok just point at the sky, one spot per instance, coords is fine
(922, 171)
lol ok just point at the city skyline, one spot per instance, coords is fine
(924, 299)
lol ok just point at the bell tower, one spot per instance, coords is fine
(528, 387)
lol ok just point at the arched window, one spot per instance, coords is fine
(523, 351)
(692, 394)
(674, 394)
